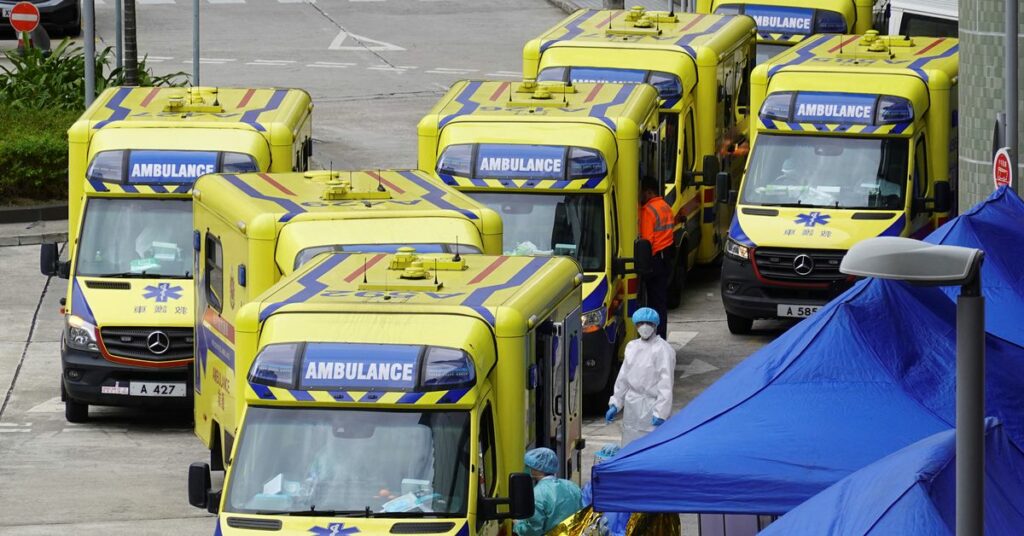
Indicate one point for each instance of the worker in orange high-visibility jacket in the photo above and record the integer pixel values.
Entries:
(656, 226)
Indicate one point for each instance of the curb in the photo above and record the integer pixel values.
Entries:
(567, 6)
(52, 212)
(28, 240)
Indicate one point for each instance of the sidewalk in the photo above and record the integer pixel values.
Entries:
(37, 232)
(570, 6)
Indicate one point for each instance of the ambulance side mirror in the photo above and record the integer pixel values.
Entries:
(722, 192)
(519, 501)
(520, 495)
(943, 198)
(642, 255)
(199, 493)
(49, 261)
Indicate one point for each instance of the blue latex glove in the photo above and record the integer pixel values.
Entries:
(612, 411)
(657, 421)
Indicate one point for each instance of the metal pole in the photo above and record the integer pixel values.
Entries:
(195, 43)
(89, 21)
(118, 34)
(970, 410)
(1010, 98)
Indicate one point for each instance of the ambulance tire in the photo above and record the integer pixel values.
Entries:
(738, 325)
(216, 452)
(75, 411)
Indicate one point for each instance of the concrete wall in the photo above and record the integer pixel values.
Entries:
(981, 93)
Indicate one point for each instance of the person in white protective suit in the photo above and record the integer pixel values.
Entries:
(643, 389)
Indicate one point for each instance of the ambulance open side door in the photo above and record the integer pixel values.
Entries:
(559, 403)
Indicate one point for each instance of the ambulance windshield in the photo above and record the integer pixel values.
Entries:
(767, 51)
(305, 461)
(827, 171)
(551, 224)
(130, 237)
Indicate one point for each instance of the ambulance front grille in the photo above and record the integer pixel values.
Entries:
(145, 343)
(781, 264)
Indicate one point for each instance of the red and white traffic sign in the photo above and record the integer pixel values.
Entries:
(24, 17)
(1002, 169)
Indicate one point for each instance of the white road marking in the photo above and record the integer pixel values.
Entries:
(326, 66)
(214, 61)
(158, 59)
(296, 1)
(504, 75)
(456, 70)
(386, 68)
(53, 405)
(272, 63)
(696, 368)
(15, 428)
(679, 339)
(365, 43)
(336, 63)
(226, 1)
(154, 2)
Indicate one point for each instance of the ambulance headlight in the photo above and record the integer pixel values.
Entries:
(446, 368)
(79, 334)
(829, 22)
(777, 105)
(275, 365)
(593, 320)
(894, 110)
(736, 250)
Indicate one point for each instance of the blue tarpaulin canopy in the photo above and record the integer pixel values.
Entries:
(913, 491)
(996, 226)
(869, 374)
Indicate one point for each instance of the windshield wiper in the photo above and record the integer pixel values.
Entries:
(786, 205)
(313, 512)
(144, 275)
(408, 514)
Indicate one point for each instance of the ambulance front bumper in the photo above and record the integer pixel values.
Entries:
(745, 295)
(90, 379)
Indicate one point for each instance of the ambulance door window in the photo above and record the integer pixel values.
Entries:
(488, 454)
(670, 147)
(689, 150)
(487, 461)
(214, 269)
(921, 176)
(649, 165)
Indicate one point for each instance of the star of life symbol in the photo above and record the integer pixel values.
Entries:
(333, 529)
(162, 292)
(812, 219)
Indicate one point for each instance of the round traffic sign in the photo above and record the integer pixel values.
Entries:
(24, 17)
(1002, 170)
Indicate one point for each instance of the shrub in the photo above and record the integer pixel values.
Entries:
(34, 153)
(41, 96)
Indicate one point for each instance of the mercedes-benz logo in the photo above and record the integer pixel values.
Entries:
(803, 265)
(158, 342)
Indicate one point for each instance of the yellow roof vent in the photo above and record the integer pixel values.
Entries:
(338, 189)
(415, 270)
(542, 94)
(194, 100)
(403, 258)
(321, 175)
(635, 13)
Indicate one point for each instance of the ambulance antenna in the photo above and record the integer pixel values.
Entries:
(364, 270)
(456, 258)
(387, 295)
(380, 183)
(435, 270)
(216, 96)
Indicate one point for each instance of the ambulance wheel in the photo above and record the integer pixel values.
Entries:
(738, 325)
(75, 411)
(216, 452)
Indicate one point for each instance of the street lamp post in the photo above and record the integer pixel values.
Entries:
(921, 263)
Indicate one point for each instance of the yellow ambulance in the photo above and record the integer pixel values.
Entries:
(397, 394)
(561, 164)
(784, 23)
(133, 157)
(855, 139)
(700, 65)
(258, 227)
